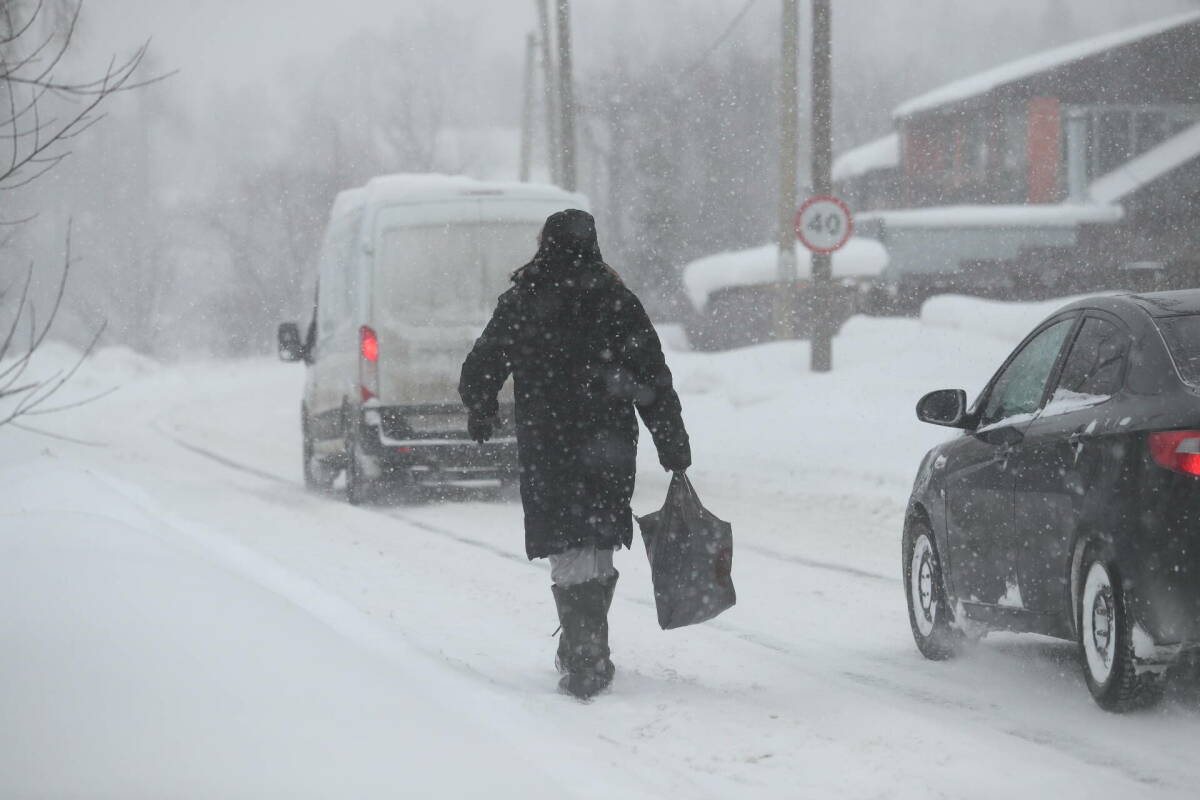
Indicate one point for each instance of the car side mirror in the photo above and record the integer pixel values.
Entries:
(944, 407)
(290, 346)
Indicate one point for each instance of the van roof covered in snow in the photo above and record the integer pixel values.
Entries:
(346, 202)
(433, 187)
(412, 188)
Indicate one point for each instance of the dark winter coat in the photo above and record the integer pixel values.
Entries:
(583, 355)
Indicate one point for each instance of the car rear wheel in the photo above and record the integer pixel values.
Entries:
(1106, 638)
(928, 607)
(360, 487)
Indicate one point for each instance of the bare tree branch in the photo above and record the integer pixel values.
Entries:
(36, 143)
(28, 77)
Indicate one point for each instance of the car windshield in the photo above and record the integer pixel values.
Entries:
(1182, 335)
(450, 273)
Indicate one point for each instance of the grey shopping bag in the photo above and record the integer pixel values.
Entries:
(691, 556)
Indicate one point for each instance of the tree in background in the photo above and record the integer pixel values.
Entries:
(41, 114)
(202, 230)
(689, 165)
(379, 104)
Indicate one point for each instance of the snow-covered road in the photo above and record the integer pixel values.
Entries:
(179, 617)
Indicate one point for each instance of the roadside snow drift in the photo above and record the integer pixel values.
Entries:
(138, 664)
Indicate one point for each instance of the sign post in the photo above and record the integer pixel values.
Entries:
(823, 225)
(822, 182)
(789, 164)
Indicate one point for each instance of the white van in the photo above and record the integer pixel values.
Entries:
(409, 273)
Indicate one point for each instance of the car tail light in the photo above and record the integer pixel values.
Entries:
(368, 348)
(1177, 450)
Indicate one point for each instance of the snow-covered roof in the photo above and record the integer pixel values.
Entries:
(1029, 66)
(1148, 167)
(859, 258)
(403, 188)
(882, 153)
(1063, 215)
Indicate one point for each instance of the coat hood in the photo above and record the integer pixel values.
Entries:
(568, 245)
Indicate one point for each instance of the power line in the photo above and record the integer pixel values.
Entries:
(721, 39)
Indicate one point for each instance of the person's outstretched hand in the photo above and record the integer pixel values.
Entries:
(480, 428)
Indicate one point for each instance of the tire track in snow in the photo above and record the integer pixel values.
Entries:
(425, 526)
(922, 701)
(817, 564)
(419, 524)
(222, 460)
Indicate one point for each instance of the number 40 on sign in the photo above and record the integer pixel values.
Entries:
(824, 224)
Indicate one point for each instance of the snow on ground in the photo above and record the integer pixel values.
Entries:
(179, 618)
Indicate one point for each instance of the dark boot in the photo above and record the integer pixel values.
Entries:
(583, 612)
(610, 587)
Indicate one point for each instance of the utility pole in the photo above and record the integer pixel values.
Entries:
(789, 140)
(822, 178)
(527, 111)
(566, 99)
(550, 91)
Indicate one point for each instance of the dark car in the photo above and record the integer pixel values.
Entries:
(1070, 504)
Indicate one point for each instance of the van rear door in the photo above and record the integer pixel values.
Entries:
(439, 268)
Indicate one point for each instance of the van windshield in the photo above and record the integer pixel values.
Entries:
(449, 273)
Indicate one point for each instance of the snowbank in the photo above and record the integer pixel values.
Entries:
(860, 258)
(990, 318)
(143, 661)
(105, 371)
(759, 415)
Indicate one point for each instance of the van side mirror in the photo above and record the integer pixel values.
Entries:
(946, 407)
(290, 346)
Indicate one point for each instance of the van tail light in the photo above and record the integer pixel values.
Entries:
(1178, 451)
(368, 348)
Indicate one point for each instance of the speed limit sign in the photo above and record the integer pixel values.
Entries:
(824, 224)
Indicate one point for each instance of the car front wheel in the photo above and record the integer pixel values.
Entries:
(928, 607)
(1106, 638)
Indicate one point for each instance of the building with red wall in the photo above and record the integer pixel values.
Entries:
(1078, 167)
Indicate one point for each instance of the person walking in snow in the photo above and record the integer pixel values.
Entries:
(583, 355)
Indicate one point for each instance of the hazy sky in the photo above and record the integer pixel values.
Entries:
(240, 42)
(232, 41)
